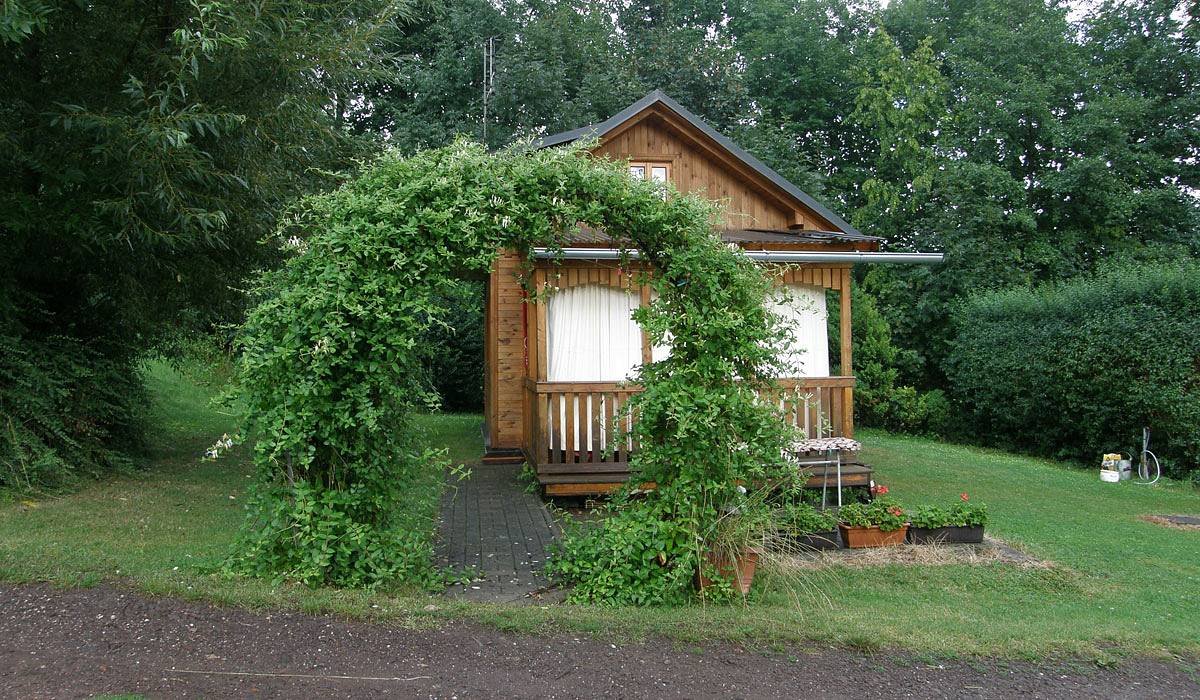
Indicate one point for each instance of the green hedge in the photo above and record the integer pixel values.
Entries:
(1075, 370)
(66, 411)
(455, 347)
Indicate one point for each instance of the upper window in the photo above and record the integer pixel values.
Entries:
(658, 172)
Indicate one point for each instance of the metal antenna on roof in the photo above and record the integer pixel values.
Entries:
(489, 78)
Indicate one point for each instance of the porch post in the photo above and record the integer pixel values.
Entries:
(847, 355)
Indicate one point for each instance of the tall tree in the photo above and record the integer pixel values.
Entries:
(146, 149)
(1055, 156)
(799, 71)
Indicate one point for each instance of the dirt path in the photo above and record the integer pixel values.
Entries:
(76, 643)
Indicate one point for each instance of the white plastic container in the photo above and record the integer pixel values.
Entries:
(1110, 476)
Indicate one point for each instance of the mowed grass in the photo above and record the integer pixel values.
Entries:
(166, 528)
(1115, 585)
(1112, 585)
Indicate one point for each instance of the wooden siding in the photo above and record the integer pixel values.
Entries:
(511, 409)
(695, 168)
(505, 369)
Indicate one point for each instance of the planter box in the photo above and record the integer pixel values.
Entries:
(819, 540)
(739, 572)
(862, 537)
(946, 535)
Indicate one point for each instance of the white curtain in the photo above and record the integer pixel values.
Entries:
(592, 337)
(802, 308)
(592, 334)
(658, 353)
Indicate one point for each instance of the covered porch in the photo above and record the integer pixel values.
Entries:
(576, 430)
(581, 344)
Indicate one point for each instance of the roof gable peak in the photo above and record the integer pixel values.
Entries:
(658, 97)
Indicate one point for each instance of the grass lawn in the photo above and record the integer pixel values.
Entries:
(1118, 585)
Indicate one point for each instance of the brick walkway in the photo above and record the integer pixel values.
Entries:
(490, 523)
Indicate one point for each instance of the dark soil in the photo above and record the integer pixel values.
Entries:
(77, 643)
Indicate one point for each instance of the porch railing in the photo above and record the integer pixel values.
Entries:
(577, 426)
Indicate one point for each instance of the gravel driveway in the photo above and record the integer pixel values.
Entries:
(77, 643)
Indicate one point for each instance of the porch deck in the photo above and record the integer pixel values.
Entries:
(571, 430)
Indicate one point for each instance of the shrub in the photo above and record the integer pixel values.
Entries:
(879, 399)
(1075, 370)
(66, 411)
(455, 346)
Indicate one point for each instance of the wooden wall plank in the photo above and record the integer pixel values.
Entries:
(695, 170)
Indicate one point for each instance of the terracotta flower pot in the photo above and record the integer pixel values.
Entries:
(739, 572)
(862, 537)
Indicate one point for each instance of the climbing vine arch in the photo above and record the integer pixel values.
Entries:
(331, 364)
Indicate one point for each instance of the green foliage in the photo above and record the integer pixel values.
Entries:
(558, 65)
(642, 554)
(331, 538)
(1077, 369)
(66, 411)
(883, 512)
(879, 398)
(797, 519)
(1060, 149)
(963, 513)
(454, 347)
(899, 105)
(145, 152)
(332, 359)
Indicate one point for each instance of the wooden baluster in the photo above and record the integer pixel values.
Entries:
(552, 424)
(614, 411)
(571, 444)
(835, 410)
(594, 409)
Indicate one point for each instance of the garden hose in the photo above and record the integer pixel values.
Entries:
(1144, 467)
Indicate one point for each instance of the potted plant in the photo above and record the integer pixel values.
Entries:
(736, 567)
(880, 523)
(809, 527)
(961, 523)
(733, 553)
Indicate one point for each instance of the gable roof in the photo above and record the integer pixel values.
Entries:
(599, 129)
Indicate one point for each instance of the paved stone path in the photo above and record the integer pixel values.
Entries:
(488, 522)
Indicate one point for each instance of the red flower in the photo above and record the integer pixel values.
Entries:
(963, 496)
(879, 489)
(895, 510)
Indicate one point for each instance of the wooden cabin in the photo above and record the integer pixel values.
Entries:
(556, 369)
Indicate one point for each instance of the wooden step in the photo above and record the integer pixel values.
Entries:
(503, 456)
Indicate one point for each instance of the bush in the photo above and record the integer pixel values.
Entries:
(1075, 370)
(66, 411)
(455, 345)
(879, 399)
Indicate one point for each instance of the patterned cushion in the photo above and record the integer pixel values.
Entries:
(825, 444)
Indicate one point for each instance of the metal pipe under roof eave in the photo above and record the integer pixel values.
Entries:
(779, 256)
